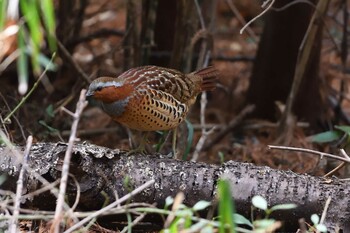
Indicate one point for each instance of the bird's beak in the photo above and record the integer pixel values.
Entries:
(89, 93)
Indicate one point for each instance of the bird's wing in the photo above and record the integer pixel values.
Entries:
(170, 81)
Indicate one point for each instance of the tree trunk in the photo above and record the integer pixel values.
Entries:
(100, 170)
(275, 64)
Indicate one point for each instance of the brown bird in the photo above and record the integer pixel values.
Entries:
(151, 98)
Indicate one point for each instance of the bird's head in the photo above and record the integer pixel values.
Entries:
(110, 94)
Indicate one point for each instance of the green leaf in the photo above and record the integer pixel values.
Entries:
(284, 207)
(174, 225)
(22, 63)
(344, 128)
(264, 223)
(182, 206)
(31, 14)
(184, 212)
(226, 208)
(321, 228)
(201, 205)
(49, 21)
(315, 219)
(3, 7)
(324, 137)
(51, 129)
(221, 157)
(49, 111)
(189, 139)
(259, 202)
(207, 229)
(241, 220)
(188, 221)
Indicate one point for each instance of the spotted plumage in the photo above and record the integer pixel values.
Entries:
(150, 98)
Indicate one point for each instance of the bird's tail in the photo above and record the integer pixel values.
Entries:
(209, 77)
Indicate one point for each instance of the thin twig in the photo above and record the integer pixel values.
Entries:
(101, 33)
(68, 58)
(14, 117)
(201, 142)
(77, 198)
(293, 3)
(136, 220)
(203, 61)
(43, 189)
(110, 206)
(67, 111)
(238, 15)
(343, 152)
(65, 167)
(200, 16)
(342, 164)
(50, 214)
(258, 16)
(233, 123)
(19, 189)
(321, 154)
(8, 60)
(325, 209)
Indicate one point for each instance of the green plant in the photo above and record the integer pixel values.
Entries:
(31, 34)
(226, 208)
(183, 219)
(338, 133)
(263, 224)
(315, 219)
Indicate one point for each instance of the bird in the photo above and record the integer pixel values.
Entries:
(151, 98)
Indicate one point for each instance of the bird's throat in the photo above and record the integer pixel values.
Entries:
(115, 109)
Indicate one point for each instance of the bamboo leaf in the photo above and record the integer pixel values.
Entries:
(48, 12)
(31, 14)
(3, 6)
(22, 63)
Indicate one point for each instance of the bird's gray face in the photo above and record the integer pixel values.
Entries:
(109, 94)
(99, 84)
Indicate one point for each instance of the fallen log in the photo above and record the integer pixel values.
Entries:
(101, 171)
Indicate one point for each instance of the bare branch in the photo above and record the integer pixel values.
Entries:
(13, 224)
(65, 167)
(321, 154)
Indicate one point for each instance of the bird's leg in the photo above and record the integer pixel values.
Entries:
(141, 149)
(131, 136)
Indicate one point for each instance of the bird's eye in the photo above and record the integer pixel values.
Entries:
(98, 88)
